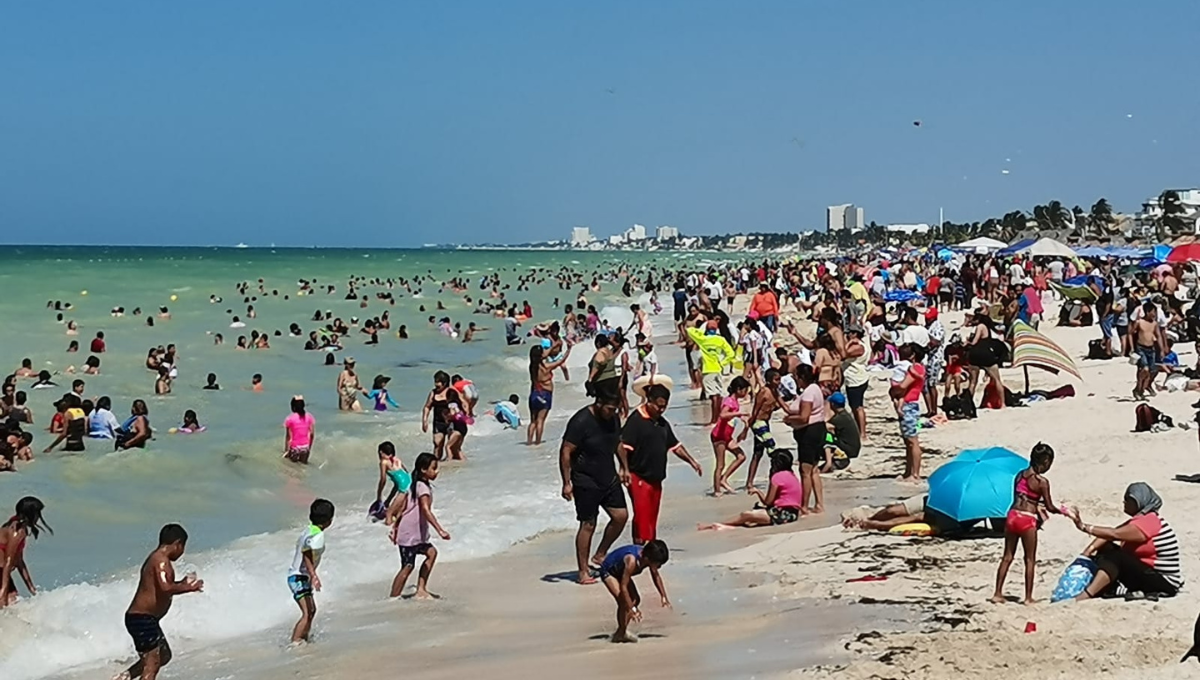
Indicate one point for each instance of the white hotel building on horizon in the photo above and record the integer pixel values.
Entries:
(582, 237)
(844, 217)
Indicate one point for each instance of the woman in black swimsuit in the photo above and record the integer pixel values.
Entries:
(449, 426)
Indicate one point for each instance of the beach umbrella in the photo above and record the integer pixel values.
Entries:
(1048, 247)
(1188, 252)
(1017, 247)
(976, 484)
(983, 243)
(1160, 252)
(1031, 348)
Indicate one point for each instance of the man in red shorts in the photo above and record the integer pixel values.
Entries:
(646, 439)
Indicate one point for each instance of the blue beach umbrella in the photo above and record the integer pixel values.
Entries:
(977, 484)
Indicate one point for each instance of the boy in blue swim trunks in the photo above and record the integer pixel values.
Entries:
(303, 579)
(618, 570)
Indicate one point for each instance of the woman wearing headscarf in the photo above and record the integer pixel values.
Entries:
(1139, 556)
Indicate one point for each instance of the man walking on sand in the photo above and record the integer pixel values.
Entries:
(646, 439)
(156, 589)
(587, 462)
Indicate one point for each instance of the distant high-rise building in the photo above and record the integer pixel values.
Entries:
(844, 216)
(835, 217)
(666, 233)
(581, 236)
(635, 233)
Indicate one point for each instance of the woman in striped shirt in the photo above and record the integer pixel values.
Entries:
(1147, 557)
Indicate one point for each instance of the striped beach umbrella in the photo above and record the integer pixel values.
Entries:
(1031, 348)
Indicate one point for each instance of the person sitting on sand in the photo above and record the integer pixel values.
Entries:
(1139, 556)
(781, 503)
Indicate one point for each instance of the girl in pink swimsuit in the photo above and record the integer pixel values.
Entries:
(723, 433)
(1031, 498)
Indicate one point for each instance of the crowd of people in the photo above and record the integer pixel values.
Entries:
(751, 365)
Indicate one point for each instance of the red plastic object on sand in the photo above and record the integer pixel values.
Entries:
(867, 579)
(1030, 627)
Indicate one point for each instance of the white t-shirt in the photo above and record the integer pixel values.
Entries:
(650, 363)
(916, 335)
(1015, 272)
(900, 370)
(1056, 270)
(313, 541)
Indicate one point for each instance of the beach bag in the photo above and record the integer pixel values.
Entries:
(1098, 349)
(1075, 579)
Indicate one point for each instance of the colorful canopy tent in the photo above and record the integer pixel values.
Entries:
(1031, 348)
(982, 243)
(976, 484)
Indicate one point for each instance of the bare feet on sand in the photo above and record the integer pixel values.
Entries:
(624, 637)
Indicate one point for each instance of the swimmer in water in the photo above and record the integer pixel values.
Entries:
(256, 382)
(191, 425)
(26, 521)
(211, 383)
(380, 394)
(163, 384)
(391, 469)
(505, 412)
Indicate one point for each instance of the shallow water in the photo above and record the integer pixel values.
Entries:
(242, 505)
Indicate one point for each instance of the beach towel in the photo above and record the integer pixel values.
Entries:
(1075, 579)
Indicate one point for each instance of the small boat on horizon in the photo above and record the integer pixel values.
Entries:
(241, 245)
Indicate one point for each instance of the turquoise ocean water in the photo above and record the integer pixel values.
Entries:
(242, 504)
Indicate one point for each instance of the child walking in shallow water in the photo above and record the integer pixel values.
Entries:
(412, 514)
(723, 436)
(1031, 493)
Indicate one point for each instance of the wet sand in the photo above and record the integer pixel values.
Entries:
(521, 613)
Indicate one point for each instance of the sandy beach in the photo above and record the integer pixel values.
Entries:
(947, 583)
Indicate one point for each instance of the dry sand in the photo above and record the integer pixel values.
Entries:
(948, 582)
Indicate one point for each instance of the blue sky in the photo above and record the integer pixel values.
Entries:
(401, 123)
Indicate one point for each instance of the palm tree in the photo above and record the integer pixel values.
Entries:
(1171, 222)
(1058, 215)
(1079, 225)
(1014, 222)
(1101, 218)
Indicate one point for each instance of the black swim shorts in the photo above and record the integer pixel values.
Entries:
(146, 633)
(588, 501)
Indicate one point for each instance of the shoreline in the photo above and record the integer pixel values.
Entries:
(501, 614)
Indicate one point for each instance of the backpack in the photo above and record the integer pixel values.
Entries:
(959, 406)
(1098, 349)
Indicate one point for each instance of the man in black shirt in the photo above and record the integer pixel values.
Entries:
(589, 475)
(645, 441)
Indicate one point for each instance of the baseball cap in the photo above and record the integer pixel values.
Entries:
(837, 399)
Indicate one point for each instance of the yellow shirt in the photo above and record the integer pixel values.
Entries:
(715, 352)
(859, 292)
